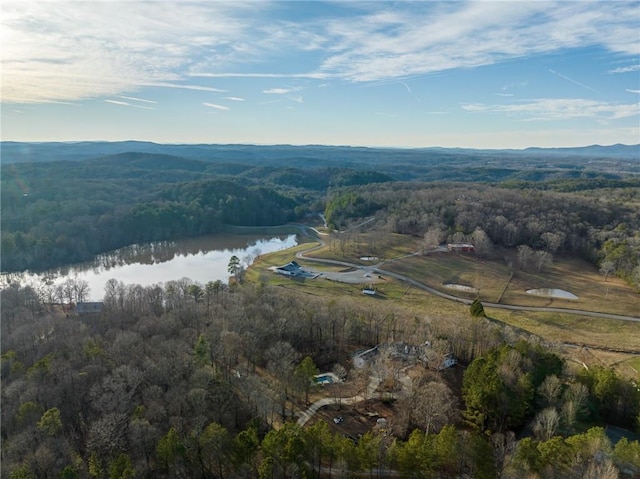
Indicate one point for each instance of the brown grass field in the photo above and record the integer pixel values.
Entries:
(494, 281)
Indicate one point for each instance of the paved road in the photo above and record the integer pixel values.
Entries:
(312, 232)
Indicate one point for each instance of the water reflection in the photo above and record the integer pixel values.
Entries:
(151, 253)
(200, 259)
(552, 293)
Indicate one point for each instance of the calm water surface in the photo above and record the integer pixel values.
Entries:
(201, 259)
(552, 293)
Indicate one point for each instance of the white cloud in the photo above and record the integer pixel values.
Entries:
(124, 103)
(233, 98)
(68, 50)
(633, 91)
(217, 107)
(316, 75)
(183, 86)
(280, 91)
(116, 102)
(132, 98)
(631, 68)
(429, 37)
(71, 50)
(560, 109)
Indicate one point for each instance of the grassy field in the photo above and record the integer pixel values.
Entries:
(574, 329)
(439, 269)
(365, 245)
(492, 279)
(494, 282)
(577, 277)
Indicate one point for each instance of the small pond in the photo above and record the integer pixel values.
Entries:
(460, 287)
(552, 293)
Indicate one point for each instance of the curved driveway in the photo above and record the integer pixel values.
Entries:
(312, 232)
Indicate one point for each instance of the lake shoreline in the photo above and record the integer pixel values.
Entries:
(200, 259)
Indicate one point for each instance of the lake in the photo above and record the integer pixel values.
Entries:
(201, 259)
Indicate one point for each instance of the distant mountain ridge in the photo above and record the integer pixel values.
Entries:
(21, 152)
(618, 151)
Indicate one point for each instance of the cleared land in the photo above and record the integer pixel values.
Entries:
(493, 279)
(494, 282)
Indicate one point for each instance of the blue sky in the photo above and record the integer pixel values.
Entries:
(504, 74)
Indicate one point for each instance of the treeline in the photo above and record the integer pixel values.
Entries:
(602, 230)
(205, 381)
(316, 179)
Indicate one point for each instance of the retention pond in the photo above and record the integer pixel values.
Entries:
(552, 293)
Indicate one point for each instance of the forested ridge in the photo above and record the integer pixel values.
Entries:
(601, 225)
(205, 381)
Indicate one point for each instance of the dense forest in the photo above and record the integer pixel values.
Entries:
(205, 381)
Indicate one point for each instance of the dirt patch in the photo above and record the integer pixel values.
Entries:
(378, 415)
(352, 276)
(460, 287)
(356, 419)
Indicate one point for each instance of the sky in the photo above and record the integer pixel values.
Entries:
(486, 74)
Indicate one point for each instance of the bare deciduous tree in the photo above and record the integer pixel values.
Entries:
(553, 241)
(546, 423)
(481, 242)
(550, 390)
(543, 260)
(433, 406)
(606, 268)
(525, 254)
(433, 237)
(574, 402)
